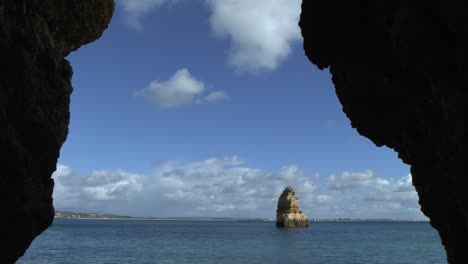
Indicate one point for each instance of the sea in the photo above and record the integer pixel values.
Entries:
(81, 241)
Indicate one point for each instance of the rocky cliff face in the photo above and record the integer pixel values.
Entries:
(400, 70)
(288, 213)
(35, 88)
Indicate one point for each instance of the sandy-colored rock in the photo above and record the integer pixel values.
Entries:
(288, 213)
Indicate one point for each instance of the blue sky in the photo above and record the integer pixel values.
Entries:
(191, 108)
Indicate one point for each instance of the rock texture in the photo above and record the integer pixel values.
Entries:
(288, 213)
(35, 88)
(400, 70)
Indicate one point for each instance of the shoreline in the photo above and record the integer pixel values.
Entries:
(238, 220)
(165, 219)
(107, 216)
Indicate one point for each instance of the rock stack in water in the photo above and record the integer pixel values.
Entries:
(288, 213)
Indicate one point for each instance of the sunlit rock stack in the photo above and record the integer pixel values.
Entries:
(35, 88)
(400, 70)
(288, 213)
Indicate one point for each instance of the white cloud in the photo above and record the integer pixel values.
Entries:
(405, 184)
(72, 191)
(216, 96)
(349, 180)
(372, 195)
(181, 89)
(134, 10)
(261, 32)
(228, 187)
(216, 187)
(66, 187)
(400, 192)
(402, 197)
(107, 185)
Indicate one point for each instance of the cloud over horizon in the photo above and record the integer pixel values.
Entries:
(227, 187)
(112, 185)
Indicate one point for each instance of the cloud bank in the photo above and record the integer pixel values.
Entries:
(228, 187)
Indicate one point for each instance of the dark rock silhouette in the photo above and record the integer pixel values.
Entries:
(400, 70)
(288, 213)
(35, 88)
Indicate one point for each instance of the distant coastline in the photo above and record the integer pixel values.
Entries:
(100, 216)
(379, 220)
(105, 216)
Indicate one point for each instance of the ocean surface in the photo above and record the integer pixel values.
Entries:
(70, 241)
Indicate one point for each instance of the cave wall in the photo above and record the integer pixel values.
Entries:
(400, 70)
(35, 88)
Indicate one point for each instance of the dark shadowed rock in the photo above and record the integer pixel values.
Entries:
(35, 88)
(288, 213)
(400, 70)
